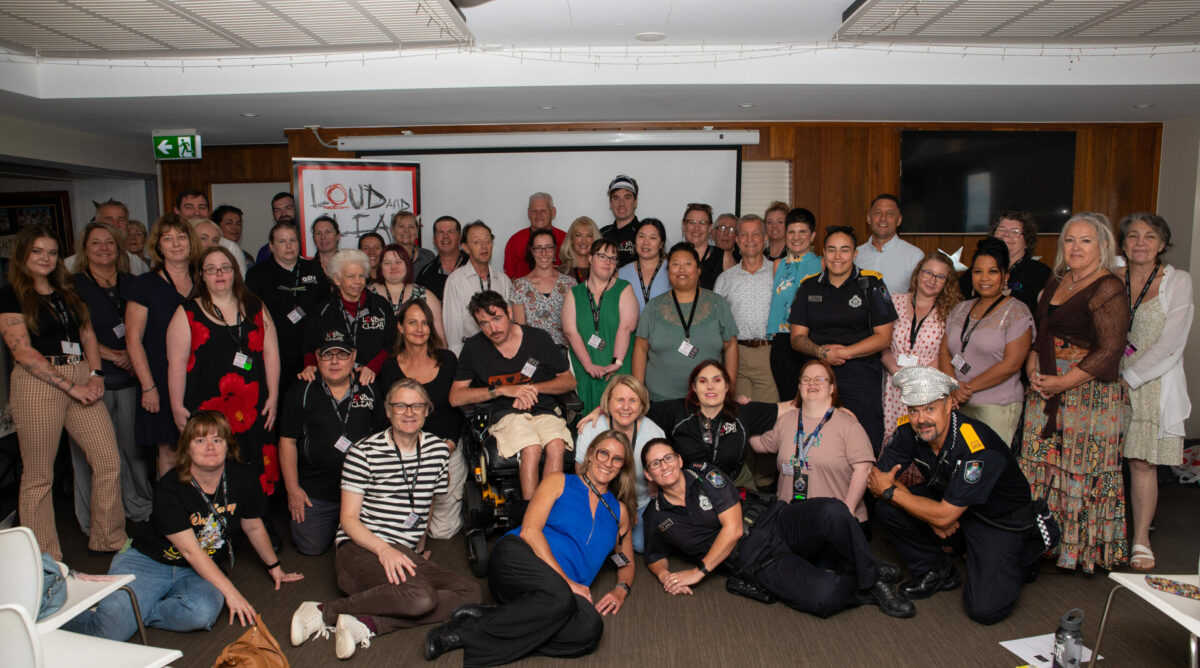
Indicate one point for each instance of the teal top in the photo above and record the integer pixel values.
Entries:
(667, 369)
(787, 278)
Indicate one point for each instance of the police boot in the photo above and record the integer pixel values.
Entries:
(938, 579)
(883, 595)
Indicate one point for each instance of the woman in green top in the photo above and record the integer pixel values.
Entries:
(686, 324)
(599, 317)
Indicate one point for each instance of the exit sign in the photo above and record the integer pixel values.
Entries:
(176, 147)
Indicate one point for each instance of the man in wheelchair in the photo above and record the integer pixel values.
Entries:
(515, 371)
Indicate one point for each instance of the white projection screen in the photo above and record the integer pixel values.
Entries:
(495, 186)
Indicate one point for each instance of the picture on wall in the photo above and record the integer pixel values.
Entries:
(50, 208)
(361, 195)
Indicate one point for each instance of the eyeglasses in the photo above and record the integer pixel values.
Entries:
(604, 257)
(1008, 232)
(543, 249)
(400, 408)
(813, 380)
(665, 460)
(940, 278)
(340, 355)
(603, 456)
(725, 228)
(223, 269)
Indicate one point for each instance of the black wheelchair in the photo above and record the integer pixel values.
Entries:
(492, 501)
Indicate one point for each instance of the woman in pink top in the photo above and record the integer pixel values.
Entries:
(831, 456)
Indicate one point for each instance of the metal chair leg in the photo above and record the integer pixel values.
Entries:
(1104, 622)
(1193, 659)
(137, 613)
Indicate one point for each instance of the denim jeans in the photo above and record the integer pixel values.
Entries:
(174, 598)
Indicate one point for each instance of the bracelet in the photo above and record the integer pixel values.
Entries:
(273, 566)
(623, 585)
(149, 389)
(821, 352)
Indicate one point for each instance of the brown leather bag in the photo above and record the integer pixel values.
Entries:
(257, 648)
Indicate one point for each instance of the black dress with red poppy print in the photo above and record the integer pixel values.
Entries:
(214, 383)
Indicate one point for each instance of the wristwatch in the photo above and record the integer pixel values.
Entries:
(889, 493)
(624, 586)
(702, 568)
(97, 373)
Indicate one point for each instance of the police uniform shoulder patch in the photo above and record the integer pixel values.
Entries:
(972, 438)
(715, 478)
(973, 471)
(903, 420)
(810, 276)
(871, 273)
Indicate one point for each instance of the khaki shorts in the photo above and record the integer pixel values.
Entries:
(516, 431)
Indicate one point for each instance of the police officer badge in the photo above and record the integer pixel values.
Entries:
(855, 301)
(705, 504)
(973, 471)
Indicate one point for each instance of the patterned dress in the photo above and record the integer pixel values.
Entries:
(929, 341)
(1072, 441)
(238, 393)
(1141, 437)
(544, 311)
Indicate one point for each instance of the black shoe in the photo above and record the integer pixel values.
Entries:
(883, 595)
(940, 579)
(748, 589)
(440, 640)
(468, 611)
(885, 571)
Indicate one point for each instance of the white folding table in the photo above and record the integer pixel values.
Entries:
(1180, 609)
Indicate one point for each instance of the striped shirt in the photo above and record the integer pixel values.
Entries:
(393, 485)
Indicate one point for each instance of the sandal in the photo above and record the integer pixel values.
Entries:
(1143, 558)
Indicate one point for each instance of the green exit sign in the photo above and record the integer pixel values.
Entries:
(176, 147)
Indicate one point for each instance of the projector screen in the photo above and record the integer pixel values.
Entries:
(495, 186)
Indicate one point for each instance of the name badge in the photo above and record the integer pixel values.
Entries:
(687, 350)
(1130, 350)
(596, 342)
(799, 485)
(295, 315)
(343, 444)
(960, 364)
(815, 298)
(620, 560)
(410, 521)
(119, 330)
(906, 360)
(71, 348)
(241, 361)
(530, 368)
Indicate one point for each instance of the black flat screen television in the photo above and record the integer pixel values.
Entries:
(955, 181)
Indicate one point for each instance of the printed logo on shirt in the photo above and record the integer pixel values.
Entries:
(372, 322)
(308, 278)
(716, 479)
(362, 401)
(507, 379)
(728, 428)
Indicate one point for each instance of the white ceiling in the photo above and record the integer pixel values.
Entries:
(580, 58)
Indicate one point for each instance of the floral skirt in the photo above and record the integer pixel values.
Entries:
(1077, 470)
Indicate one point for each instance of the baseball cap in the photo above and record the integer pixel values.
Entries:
(622, 181)
(335, 339)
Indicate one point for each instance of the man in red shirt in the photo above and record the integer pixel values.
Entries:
(541, 215)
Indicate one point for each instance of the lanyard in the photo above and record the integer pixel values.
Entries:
(596, 307)
(167, 275)
(337, 404)
(395, 307)
(62, 312)
(218, 517)
(352, 323)
(480, 279)
(1129, 292)
(915, 329)
(606, 507)
(646, 285)
(810, 440)
(234, 330)
(113, 293)
(412, 501)
(686, 324)
(964, 336)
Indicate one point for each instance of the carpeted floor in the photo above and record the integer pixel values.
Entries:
(715, 628)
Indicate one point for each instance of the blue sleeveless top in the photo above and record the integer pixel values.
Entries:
(580, 543)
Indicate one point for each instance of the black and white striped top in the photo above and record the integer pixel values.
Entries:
(375, 469)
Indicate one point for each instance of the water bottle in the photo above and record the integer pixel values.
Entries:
(1068, 641)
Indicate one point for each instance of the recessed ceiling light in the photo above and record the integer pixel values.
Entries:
(651, 36)
(746, 105)
(546, 107)
(249, 114)
(1144, 105)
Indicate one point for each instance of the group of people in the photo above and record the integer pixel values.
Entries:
(843, 388)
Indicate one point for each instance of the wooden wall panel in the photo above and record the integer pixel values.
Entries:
(250, 163)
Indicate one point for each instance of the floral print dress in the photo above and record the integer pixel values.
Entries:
(237, 392)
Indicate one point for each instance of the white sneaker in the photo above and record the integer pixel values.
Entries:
(349, 634)
(307, 622)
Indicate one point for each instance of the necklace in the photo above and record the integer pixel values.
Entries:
(1074, 282)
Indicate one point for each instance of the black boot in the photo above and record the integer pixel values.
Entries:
(938, 579)
(883, 595)
(442, 639)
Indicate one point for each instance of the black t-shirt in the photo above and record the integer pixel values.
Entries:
(483, 365)
(372, 330)
(844, 314)
(712, 264)
(1025, 281)
(106, 308)
(308, 415)
(693, 528)
(181, 506)
(625, 238)
(432, 277)
(51, 315)
(445, 421)
(728, 437)
(304, 287)
(978, 470)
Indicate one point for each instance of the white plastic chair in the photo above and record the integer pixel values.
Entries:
(21, 562)
(25, 648)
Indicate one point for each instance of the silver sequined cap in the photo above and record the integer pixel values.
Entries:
(920, 385)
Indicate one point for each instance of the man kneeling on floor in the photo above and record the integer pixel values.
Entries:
(388, 484)
(811, 554)
(974, 500)
(515, 371)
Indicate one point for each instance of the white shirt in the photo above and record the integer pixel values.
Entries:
(896, 262)
(462, 284)
(136, 264)
(1165, 358)
(749, 297)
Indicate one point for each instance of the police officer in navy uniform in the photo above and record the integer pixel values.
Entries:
(811, 554)
(844, 315)
(975, 500)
